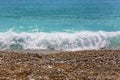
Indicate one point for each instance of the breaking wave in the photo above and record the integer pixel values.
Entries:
(84, 40)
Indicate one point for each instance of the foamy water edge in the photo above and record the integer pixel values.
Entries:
(84, 40)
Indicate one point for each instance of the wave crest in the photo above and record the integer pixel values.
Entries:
(57, 40)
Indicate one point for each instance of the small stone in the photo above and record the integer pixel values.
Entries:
(49, 66)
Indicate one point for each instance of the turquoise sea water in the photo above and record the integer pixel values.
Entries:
(63, 24)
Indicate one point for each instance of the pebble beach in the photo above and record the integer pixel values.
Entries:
(78, 65)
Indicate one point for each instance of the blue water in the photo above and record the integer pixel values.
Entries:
(36, 24)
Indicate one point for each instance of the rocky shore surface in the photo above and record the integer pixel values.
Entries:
(79, 65)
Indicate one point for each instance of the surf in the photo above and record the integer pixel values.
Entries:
(83, 40)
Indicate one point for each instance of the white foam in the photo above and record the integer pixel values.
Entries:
(57, 40)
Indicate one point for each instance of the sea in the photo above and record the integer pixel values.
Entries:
(67, 25)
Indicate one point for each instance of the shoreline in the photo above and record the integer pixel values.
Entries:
(42, 51)
(72, 65)
(49, 51)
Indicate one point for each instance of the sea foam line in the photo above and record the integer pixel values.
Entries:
(84, 40)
